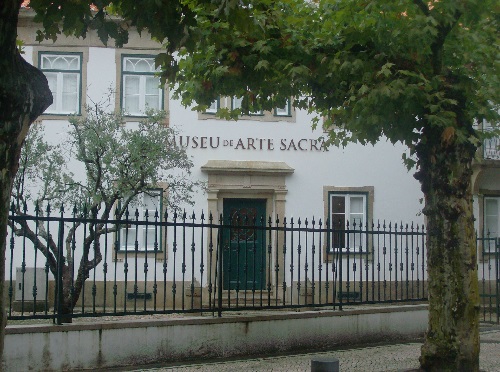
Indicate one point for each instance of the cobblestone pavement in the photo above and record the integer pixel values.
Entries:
(397, 357)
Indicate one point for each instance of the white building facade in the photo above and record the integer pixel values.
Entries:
(267, 163)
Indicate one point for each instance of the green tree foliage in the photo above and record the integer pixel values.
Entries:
(119, 163)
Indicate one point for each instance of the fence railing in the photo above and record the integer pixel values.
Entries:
(66, 267)
(489, 277)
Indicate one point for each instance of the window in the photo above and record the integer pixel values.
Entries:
(64, 75)
(283, 111)
(236, 104)
(491, 222)
(214, 107)
(147, 236)
(347, 212)
(140, 85)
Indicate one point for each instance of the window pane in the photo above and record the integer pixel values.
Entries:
(151, 237)
(60, 63)
(355, 221)
(139, 64)
(128, 237)
(213, 107)
(338, 227)
(147, 235)
(131, 104)
(152, 202)
(52, 80)
(237, 102)
(70, 83)
(355, 242)
(283, 111)
(131, 94)
(152, 85)
(69, 103)
(492, 226)
(491, 217)
(131, 84)
(152, 98)
(73, 63)
(46, 62)
(70, 93)
(356, 204)
(145, 65)
(491, 207)
(338, 204)
(152, 102)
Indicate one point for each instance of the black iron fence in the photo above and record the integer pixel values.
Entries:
(489, 277)
(62, 267)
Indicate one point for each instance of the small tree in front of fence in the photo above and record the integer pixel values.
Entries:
(114, 164)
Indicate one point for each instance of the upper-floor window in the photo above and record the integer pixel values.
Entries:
(286, 110)
(64, 75)
(214, 107)
(140, 85)
(237, 102)
(284, 113)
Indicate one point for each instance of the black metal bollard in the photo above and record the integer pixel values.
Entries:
(325, 365)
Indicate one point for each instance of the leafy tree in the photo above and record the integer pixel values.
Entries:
(423, 73)
(118, 163)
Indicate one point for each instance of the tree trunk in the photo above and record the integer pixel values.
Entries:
(24, 95)
(452, 338)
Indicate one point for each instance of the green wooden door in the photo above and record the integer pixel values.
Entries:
(244, 259)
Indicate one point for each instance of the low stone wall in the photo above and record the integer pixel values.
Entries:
(125, 343)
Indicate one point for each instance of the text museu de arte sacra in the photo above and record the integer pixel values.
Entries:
(250, 143)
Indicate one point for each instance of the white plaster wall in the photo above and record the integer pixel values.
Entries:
(90, 346)
(101, 75)
(28, 53)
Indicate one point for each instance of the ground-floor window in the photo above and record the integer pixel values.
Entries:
(348, 210)
(146, 206)
(491, 220)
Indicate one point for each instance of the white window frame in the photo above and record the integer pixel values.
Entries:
(214, 107)
(46, 66)
(353, 239)
(236, 104)
(132, 229)
(284, 111)
(488, 235)
(143, 76)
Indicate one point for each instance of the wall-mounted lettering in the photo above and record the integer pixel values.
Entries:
(250, 143)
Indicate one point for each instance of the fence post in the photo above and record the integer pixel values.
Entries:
(60, 262)
(497, 277)
(219, 267)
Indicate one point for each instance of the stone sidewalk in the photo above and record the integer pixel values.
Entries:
(363, 359)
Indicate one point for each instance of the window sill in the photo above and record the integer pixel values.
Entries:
(131, 254)
(47, 116)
